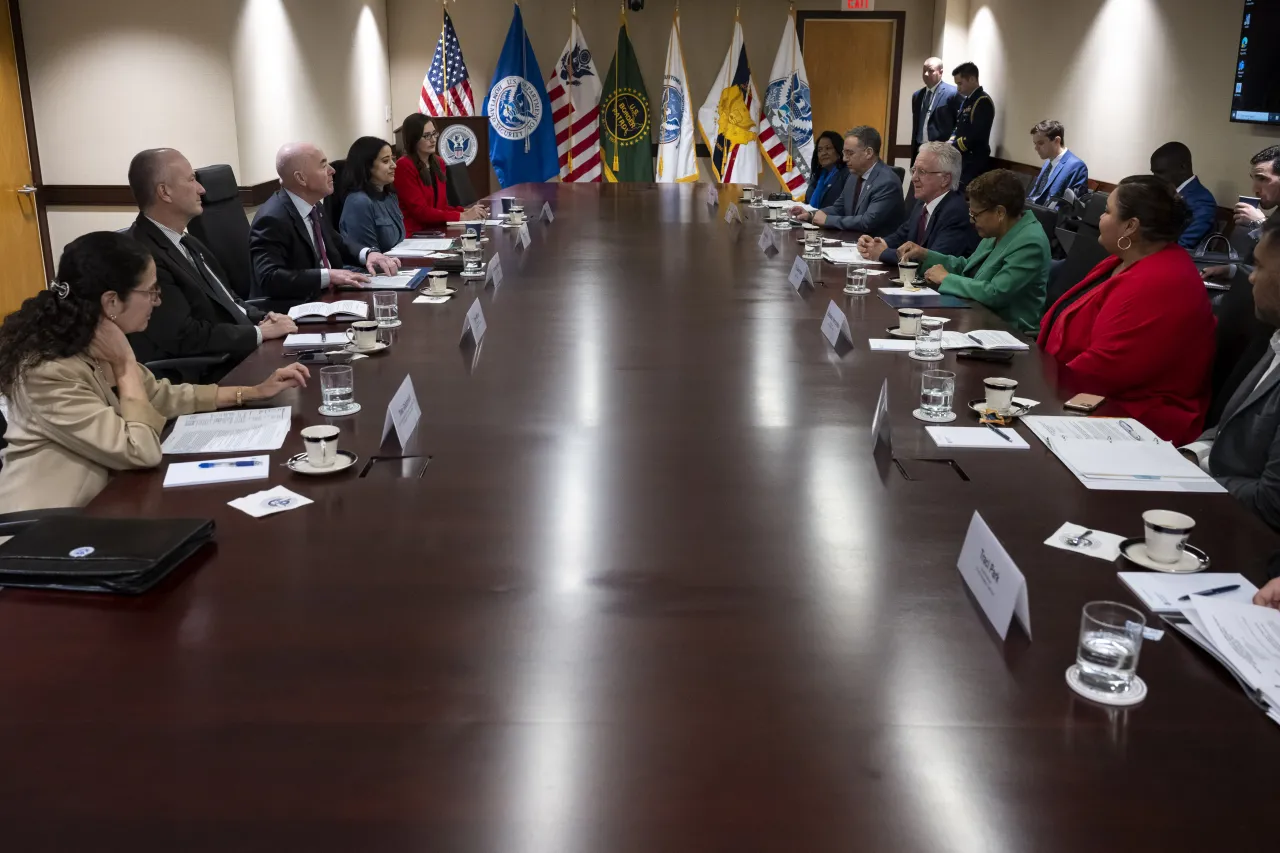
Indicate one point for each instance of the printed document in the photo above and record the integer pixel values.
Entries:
(235, 431)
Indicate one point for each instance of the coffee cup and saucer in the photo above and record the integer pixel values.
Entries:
(438, 284)
(1164, 546)
(999, 399)
(907, 274)
(363, 336)
(322, 455)
(908, 323)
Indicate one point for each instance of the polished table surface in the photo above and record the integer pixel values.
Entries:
(652, 593)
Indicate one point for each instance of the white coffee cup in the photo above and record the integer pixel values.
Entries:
(771, 214)
(438, 281)
(909, 320)
(517, 216)
(1167, 533)
(470, 242)
(907, 272)
(364, 333)
(1000, 391)
(322, 445)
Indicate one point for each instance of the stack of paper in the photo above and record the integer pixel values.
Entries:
(1242, 637)
(1119, 454)
(321, 339)
(845, 255)
(402, 281)
(238, 431)
(217, 471)
(1160, 592)
(420, 247)
(987, 438)
(992, 340)
(910, 291)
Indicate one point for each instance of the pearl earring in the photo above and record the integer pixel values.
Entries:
(111, 317)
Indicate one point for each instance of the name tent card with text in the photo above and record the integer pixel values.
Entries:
(712, 197)
(768, 240)
(835, 325)
(494, 273)
(402, 413)
(881, 429)
(732, 214)
(800, 273)
(546, 213)
(524, 237)
(993, 579)
(474, 324)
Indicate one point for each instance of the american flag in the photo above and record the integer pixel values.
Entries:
(447, 68)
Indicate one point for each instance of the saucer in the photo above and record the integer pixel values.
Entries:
(355, 407)
(850, 292)
(919, 415)
(937, 357)
(1136, 693)
(448, 291)
(1193, 559)
(467, 275)
(378, 347)
(897, 332)
(300, 464)
(397, 324)
(1015, 411)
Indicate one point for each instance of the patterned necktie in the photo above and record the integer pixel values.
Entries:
(1041, 181)
(921, 224)
(318, 233)
(218, 289)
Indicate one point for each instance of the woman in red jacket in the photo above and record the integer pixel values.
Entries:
(420, 181)
(1138, 330)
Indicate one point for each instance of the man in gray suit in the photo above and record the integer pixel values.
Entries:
(1243, 451)
(872, 197)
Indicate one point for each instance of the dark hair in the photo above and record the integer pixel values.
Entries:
(1174, 154)
(146, 172)
(414, 126)
(1051, 128)
(59, 322)
(357, 172)
(836, 142)
(965, 69)
(868, 136)
(1270, 154)
(1161, 213)
(999, 187)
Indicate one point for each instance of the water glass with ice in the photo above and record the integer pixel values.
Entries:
(1110, 639)
(812, 245)
(937, 391)
(929, 338)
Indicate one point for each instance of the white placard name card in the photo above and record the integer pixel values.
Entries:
(523, 235)
(712, 197)
(733, 213)
(835, 325)
(768, 240)
(494, 273)
(546, 212)
(799, 273)
(474, 323)
(993, 579)
(881, 429)
(402, 413)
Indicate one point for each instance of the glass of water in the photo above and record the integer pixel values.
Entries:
(812, 245)
(929, 339)
(855, 279)
(1110, 639)
(471, 263)
(385, 309)
(937, 391)
(337, 390)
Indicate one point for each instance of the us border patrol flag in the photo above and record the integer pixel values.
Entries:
(677, 146)
(729, 119)
(786, 133)
(625, 142)
(522, 138)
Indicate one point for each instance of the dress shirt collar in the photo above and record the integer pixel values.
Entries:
(1275, 342)
(1053, 164)
(1183, 185)
(933, 205)
(175, 237)
(304, 209)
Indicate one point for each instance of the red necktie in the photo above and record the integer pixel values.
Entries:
(319, 236)
(921, 224)
(857, 191)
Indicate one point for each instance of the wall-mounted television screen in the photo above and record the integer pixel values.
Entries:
(1256, 93)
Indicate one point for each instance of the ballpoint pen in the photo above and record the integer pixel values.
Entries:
(241, 463)
(994, 429)
(1217, 590)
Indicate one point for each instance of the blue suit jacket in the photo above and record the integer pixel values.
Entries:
(942, 118)
(831, 194)
(879, 208)
(1204, 210)
(949, 230)
(1071, 174)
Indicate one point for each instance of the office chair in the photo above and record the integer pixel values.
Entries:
(457, 186)
(901, 173)
(1240, 342)
(1094, 208)
(195, 369)
(223, 226)
(333, 201)
(1086, 253)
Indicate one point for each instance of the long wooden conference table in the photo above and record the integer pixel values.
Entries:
(650, 592)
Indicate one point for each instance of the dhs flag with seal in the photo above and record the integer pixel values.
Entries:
(522, 138)
(786, 132)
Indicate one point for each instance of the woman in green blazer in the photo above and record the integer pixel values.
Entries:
(1009, 270)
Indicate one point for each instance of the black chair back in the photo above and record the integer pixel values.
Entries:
(457, 186)
(1086, 253)
(333, 202)
(1048, 218)
(1241, 342)
(1094, 208)
(223, 226)
(901, 173)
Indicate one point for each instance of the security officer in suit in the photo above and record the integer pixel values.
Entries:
(933, 107)
(972, 134)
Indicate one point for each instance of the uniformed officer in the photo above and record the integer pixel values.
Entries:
(972, 134)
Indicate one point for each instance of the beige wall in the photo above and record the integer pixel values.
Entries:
(706, 28)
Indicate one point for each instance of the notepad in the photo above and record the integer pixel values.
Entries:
(1160, 592)
(845, 255)
(908, 291)
(218, 471)
(976, 437)
(345, 309)
(995, 340)
(322, 339)
(891, 345)
(420, 247)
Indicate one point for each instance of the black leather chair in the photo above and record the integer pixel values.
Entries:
(457, 186)
(901, 173)
(1241, 342)
(333, 202)
(1086, 253)
(1094, 208)
(223, 226)
(196, 369)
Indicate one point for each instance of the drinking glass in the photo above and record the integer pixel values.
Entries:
(812, 245)
(929, 338)
(937, 390)
(385, 309)
(1110, 639)
(337, 389)
(471, 266)
(855, 278)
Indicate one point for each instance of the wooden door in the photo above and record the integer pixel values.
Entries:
(19, 223)
(851, 70)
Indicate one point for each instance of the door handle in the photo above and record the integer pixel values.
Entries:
(27, 190)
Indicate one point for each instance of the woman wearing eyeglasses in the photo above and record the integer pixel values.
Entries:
(420, 184)
(1009, 270)
(80, 405)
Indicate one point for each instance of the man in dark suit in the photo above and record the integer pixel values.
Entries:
(972, 133)
(872, 197)
(933, 107)
(1243, 451)
(198, 314)
(1172, 162)
(940, 218)
(296, 252)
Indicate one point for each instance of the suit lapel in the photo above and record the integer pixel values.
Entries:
(302, 226)
(1246, 395)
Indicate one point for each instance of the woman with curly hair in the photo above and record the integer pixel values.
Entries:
(80, 405)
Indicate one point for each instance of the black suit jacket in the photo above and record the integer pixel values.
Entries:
(949, 230)
(1246, 443)
(943, 118)
(192, 318)
(286, 266)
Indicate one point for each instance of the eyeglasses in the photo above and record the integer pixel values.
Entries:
(974, 214)
(848, 153)
(431, 136)
(916, 170)
(153, 294)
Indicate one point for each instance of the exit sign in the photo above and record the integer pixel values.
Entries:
(859, 5)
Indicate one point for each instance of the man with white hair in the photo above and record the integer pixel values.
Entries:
(940, 218)
(933, 107)
(296, 252)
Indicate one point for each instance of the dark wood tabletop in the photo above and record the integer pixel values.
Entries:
(651, 593)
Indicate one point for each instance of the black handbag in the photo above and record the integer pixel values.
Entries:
(119, 555)
(1202, 255)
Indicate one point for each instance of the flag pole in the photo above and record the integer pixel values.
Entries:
(791, 90)
(675, 17)
(617, 75)
(573, 107)
(444, 55)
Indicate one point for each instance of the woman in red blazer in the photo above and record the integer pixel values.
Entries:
(420, 181)
(1138, 330)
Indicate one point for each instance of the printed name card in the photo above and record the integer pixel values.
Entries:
(523, 234)
(881, 429)
(546, 213)
(993, 579)
(494, 273)
(402, 413)
(800, 273)
(474, 323)
(835, 325)
(712, 197)
(733, 214)
(768, 240)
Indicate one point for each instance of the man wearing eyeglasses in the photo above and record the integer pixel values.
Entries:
(940, 218)
(872, 197)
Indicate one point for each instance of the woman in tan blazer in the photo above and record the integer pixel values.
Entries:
(80, 405)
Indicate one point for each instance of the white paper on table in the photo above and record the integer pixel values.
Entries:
(995, 339)
(234, 431)
(891, 345)
(1160, 592)
(845, 256)
(303, 340)
(431, 300)
(906, 291)
(330, 309)
(787, 205)
(1055, 430)
(1104, 546)
(418, 247)
(269, 502)
(400, 281)
(191, 474)
(977, 437)
(1246, 635)
(1144, 459)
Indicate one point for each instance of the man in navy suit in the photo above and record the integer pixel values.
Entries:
(872, 197)
(933, 108)
(1172, 162)
(296, 252)
(940, 218)
(1061, 171)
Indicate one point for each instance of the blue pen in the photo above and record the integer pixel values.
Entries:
(243, 463)
(1217, 590)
